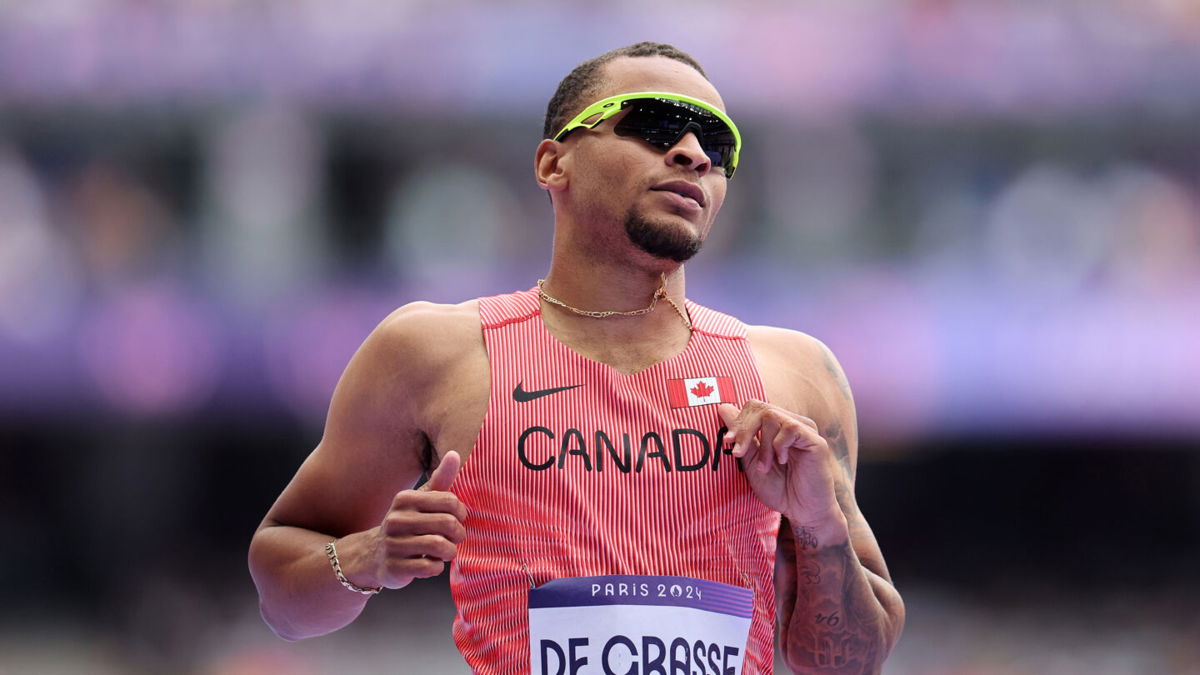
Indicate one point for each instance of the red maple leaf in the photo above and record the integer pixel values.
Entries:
(702, 390)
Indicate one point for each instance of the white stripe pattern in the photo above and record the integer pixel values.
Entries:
(582, 515)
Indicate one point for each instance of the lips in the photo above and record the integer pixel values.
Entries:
(682, 188)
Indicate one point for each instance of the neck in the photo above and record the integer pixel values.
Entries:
(593, 285)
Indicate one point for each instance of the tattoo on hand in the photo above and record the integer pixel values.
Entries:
(805, 538)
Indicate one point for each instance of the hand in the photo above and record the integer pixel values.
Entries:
(419, 534)
(787, 461)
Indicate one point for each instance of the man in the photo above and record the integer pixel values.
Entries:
(583, 435)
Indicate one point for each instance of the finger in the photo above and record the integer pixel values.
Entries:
(749, 455)
(421, 501)
(422, 546)
(404, 569)
(444, 474)
(728, 413)
(407, 523)
(791, 434)
(744, 427)
(785, 439)
(767, 432)
(806, 438)
(432, 568)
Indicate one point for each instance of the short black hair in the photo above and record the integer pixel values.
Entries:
(576, 88)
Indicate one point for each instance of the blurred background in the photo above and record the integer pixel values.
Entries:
(989, 210)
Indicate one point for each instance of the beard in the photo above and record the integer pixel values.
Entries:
(661, 240)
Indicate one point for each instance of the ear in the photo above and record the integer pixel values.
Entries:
(550, 166)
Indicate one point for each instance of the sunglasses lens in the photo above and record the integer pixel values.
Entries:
(662, 123)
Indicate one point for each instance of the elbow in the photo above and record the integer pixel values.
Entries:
(893, 621)
(283, 629)
(275, 615)
(258, 560)
(893, 636)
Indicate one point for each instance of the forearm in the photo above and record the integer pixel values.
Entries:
(299, 595)
(836, 616)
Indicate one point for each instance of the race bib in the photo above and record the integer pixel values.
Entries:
(638, 625)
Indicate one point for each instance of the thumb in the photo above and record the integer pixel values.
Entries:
(728, 413)
(444, 474)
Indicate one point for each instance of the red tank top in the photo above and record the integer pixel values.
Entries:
(580, 470)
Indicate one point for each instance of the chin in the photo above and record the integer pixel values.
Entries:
(663, 238)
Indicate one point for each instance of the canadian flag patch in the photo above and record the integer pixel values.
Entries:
(693, 391)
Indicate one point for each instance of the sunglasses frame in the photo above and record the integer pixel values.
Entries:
(608, 107)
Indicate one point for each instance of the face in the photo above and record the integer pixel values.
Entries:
(666, 201)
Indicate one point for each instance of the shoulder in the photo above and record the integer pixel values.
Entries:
(419, 341)
(792, 350)
(785, 343)
(407, 365)
(800, 372)
(430, 326)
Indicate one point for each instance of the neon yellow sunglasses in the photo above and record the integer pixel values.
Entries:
(662, 119)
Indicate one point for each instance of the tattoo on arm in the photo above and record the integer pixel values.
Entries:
(835, 436)
(810, 573)
(831, 620)
(835, 371)
(845, 631)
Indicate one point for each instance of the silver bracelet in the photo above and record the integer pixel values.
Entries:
(337, 570)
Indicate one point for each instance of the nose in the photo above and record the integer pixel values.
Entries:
(688, 152)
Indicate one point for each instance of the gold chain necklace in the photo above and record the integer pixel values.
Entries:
(660, 293)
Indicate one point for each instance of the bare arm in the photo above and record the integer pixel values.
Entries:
(355, 487)
(838, 610)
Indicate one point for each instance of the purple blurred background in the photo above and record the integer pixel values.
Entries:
(990, 211)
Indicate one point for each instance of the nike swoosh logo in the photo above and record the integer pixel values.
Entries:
(522, 396)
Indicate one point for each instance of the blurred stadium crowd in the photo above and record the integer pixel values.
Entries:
(990, 211)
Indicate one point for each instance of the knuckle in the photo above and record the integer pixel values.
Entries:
(396, 522)
(431, 568)
(403, 545)
(404, 499)
(397, 547)
(452, 528)
(442, 501)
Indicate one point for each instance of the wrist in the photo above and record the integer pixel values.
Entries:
(819, 531)
(349, 556)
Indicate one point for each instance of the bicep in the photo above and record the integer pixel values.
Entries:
(371, 448)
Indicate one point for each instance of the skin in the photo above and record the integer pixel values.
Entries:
(407, 402)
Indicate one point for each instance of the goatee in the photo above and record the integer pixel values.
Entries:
(661, 241)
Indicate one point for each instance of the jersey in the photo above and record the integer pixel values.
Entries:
(579, 470)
